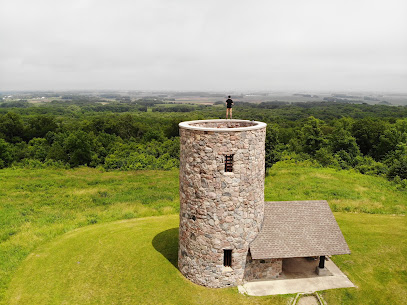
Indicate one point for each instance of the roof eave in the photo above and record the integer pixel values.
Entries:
(256, 256)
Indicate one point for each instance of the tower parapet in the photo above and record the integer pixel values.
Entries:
(222, 168)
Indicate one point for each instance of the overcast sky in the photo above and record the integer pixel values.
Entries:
(204, 45)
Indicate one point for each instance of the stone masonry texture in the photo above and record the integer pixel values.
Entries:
(262, 269)
(220, 210)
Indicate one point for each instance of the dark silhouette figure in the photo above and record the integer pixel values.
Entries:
(229, 104)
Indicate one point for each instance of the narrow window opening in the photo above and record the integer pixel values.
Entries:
(193, 217)
(228, 163)
(227, 258)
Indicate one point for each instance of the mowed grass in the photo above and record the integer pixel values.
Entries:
(346, 191)
(378, 262)
(37, 206)
(134, 262)
(126, 262)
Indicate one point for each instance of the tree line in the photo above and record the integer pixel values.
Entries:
(371, 139)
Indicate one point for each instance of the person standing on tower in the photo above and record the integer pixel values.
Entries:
(229, 104)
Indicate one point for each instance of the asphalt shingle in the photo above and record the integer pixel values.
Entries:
(298, 229)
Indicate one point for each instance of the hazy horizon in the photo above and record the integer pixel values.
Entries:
(227, 92)
(218, 46)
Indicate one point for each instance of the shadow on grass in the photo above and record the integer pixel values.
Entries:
(166, 243)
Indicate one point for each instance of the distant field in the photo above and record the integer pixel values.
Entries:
(395, 99)
(205, 99)
(37, 206)
(199, 100)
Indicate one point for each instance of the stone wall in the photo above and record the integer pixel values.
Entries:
(262, 269)
(223, 124)
(219, 210)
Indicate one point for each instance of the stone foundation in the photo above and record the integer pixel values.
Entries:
(219, 210)
(262, 269)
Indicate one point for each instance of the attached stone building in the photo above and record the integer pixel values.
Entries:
(227, 233)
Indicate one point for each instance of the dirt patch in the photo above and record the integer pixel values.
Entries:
(299, 267)
(308, 300)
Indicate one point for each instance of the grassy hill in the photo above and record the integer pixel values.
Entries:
(36, 206)
(133, 262)
(86, 267)
(346, 191)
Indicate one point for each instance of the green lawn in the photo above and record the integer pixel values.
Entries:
(378, 262)
(133, 262)
(37, 206)
(126, 262)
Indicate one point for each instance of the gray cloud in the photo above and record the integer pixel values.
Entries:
(204, 45)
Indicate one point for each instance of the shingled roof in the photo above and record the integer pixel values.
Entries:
(298, 229)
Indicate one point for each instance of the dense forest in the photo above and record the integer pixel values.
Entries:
(143, 134)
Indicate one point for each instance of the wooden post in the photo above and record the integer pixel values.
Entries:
(321, 261)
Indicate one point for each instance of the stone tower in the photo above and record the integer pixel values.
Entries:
(222, 167)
